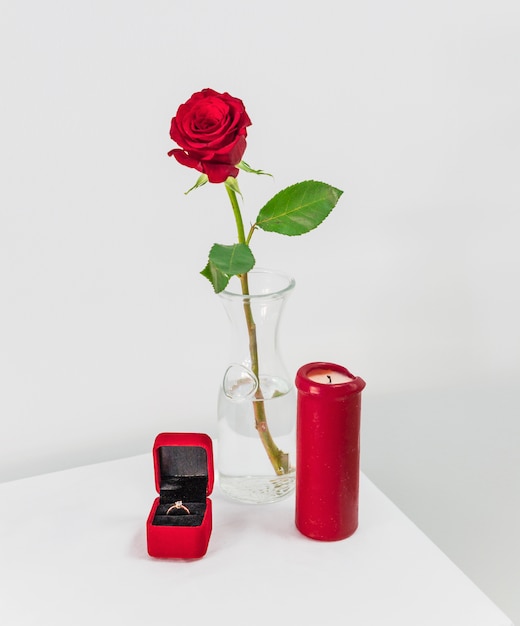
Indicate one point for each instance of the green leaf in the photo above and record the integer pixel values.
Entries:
(247, 168)
(218, 279)
(233, 260)
(227, 261)
(299, 208)
(201, 180)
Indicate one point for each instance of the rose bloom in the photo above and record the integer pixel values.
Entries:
(211, 130)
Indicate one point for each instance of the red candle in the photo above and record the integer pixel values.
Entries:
(327, 452)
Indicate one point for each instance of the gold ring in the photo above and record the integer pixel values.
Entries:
(178, 506)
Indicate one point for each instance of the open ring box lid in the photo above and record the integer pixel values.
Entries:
(183, 465)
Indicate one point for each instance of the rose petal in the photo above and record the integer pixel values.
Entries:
(231, 154)
(186, 159)
(218, 172)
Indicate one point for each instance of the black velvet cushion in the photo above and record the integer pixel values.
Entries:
(183, 476)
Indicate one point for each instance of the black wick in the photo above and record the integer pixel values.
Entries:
(330, 379)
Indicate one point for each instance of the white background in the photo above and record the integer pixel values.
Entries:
(108, 335)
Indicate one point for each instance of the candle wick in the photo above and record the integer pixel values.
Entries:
(330, 379)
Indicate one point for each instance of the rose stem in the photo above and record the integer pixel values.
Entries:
(279, 459)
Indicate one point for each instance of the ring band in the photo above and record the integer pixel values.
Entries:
(178, 506)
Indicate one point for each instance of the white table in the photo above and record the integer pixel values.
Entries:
(73, 552)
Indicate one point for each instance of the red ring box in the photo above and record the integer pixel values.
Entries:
(183, 464)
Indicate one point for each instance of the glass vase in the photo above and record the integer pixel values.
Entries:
(257, 401)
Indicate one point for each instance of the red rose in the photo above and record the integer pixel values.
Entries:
(211, 130)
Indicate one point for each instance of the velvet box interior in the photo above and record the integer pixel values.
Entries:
(179, 524)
